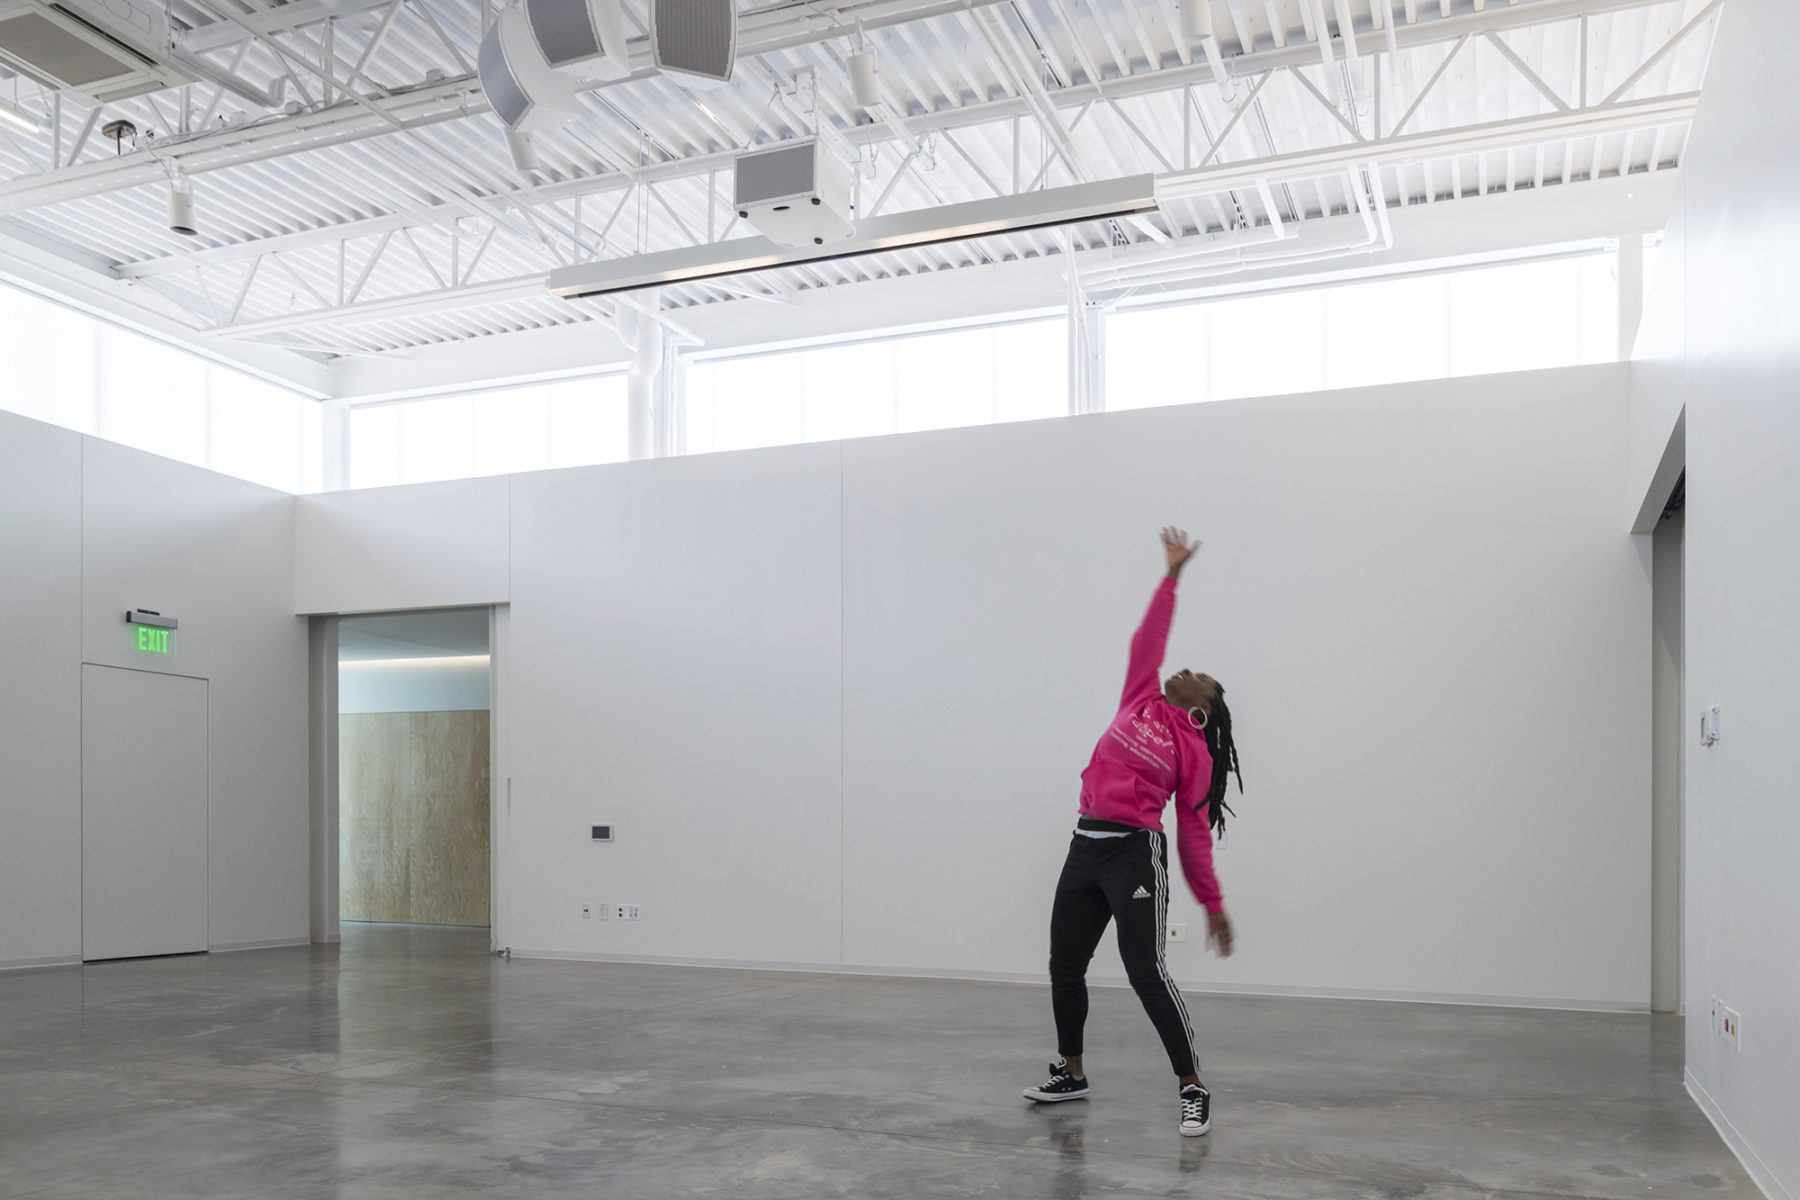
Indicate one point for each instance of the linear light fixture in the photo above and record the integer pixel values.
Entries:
(13, 114)
(1129, 197)
(434, 660)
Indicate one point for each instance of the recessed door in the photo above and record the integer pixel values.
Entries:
(143, 813)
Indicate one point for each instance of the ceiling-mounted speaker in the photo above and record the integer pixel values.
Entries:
(1197, 19)
(797, 194)
(525, 91)
(865, 80)
(695, 40)
(585, 36)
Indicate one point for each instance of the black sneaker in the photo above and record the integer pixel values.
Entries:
(1060, 1086)
(1196, 1110)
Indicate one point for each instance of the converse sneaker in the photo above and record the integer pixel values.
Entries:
(1060, 1086)
(1196, 1110)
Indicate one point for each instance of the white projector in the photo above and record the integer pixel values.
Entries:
(795, 195)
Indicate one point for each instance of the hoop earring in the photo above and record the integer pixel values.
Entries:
(1198, 722)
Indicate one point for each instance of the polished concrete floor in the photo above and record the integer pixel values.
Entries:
(409, 1063)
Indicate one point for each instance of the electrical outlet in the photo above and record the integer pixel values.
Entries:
(587, 912)
(1731, 1028)
(627, 912)
(602, 911)
(1177, 932)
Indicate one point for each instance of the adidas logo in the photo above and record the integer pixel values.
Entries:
(1140, 894)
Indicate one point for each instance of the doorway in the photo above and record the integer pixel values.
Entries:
(1667, 744)
(143, 813)
(414, 738)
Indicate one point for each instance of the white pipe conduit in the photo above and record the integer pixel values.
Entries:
(643, 333)
(270, 98)
(1246, 249)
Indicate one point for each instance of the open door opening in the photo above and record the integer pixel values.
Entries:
(413, 769)
(402, 770)
(1667, 743)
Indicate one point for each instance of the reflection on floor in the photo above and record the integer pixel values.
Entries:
(410, 1063)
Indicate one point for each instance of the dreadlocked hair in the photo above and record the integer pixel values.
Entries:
(1224, 762)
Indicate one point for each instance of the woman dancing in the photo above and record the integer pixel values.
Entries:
(1172, 738)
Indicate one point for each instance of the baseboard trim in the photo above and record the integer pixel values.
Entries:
(1038, 980)
(277, 944)
(1735, 1141)
(29, 964)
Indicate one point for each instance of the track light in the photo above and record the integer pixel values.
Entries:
(181, 211)
(14, 115)
(1197, 19)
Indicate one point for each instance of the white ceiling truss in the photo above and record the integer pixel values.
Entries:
(381, 211)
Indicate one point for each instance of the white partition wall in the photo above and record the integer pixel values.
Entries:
(218, 554)
(837, 697)
(93, 529)
(1432, 629)
(673, 671)
(430, 545)
(40, 692)
(1726, 291)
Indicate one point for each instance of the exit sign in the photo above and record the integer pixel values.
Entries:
(151, 632)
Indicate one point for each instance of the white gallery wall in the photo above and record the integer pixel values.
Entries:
(1733, 359)
(836, 698)
(40, 692)
(89, 530)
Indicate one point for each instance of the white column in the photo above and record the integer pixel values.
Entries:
(1631, 291)
(1087, 336)
(644, 334)
(334, 441)
(671, 403)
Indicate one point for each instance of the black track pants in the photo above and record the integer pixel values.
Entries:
(1124, 879)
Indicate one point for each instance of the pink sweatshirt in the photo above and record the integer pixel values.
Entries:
(1150, 750)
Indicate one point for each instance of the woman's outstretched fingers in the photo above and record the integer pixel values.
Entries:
(1218, 932)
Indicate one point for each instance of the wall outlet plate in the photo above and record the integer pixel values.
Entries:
(1731, 1028)
(627, 912)
(587, 912)
(1177, 932)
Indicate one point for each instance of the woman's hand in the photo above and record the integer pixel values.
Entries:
(1176, 549)
(1218, 933)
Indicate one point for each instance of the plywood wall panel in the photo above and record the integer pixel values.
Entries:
(413, 824)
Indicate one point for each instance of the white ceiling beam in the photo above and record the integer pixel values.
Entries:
(392, 308)
(1444, 143)
(459, 98)
(1496, 225)
(38, 266)
(754, 254)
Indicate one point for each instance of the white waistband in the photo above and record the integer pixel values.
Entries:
(1104, 833)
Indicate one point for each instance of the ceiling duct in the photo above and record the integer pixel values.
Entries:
(100, 53)
(94, 52)
(1113, 198)
(694, 40)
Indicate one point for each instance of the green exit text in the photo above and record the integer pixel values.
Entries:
(155, 641)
